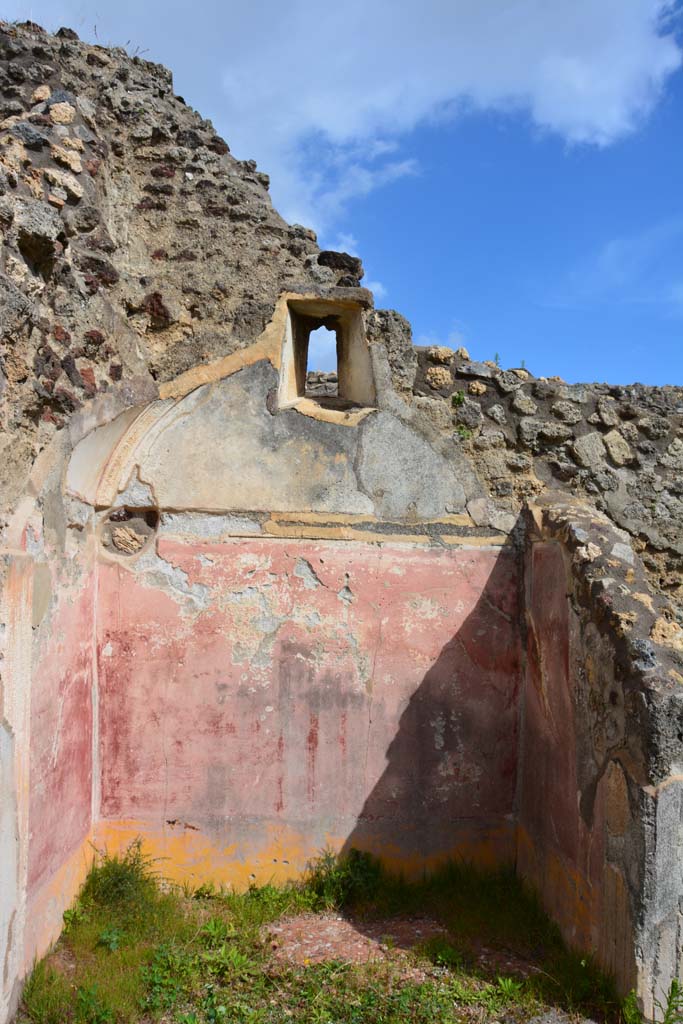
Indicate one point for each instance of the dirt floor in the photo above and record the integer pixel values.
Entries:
(318, 938)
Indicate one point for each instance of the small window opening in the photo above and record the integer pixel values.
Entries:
(322, 379)
(326, 356)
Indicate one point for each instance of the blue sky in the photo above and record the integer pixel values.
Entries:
(509, 170)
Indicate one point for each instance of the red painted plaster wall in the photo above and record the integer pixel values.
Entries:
(336, 692)
(558, 852)
(61, 738)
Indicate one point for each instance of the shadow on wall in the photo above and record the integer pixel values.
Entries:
(448, 788)
(289, 713)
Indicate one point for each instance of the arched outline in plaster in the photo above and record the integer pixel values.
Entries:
(104, 459)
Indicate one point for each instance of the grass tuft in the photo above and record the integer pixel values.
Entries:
(118, 880)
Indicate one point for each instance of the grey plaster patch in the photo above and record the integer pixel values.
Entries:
(42, 592)
(152, 570)
(402, 473)
(304, 571)
(242, 596)
(136, 494)
(77, 513)
(206, 526)
(222, 450)
(34, 541)
(346, 595)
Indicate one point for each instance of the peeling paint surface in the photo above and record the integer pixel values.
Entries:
(306, 700)
(551, 852)
(568, 808)
(61, 729)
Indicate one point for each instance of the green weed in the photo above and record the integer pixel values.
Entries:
(74, 915)
(442, 953)
(336, 882)
(110, 938)
(670, 1012)
(217, 930)
(510, 989)
(90, 1008)
(116, 880)
(166, 978)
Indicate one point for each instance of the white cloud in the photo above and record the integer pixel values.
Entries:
(323, 96)
(343, 242)
(455, 338)
(377, 288)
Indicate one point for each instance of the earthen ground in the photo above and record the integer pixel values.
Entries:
(307, 939)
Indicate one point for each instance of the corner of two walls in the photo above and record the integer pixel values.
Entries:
(15, 674)
(599, 801)
(598, 806)
(46, 743)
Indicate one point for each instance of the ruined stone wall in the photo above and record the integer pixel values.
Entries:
(245, 618)
(620, 447)
(134, 244)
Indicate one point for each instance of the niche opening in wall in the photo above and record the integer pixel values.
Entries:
(129, 531)
(325, 357)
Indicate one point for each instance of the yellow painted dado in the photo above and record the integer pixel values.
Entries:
(189, 856)
(46, 905)
(566, 894)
